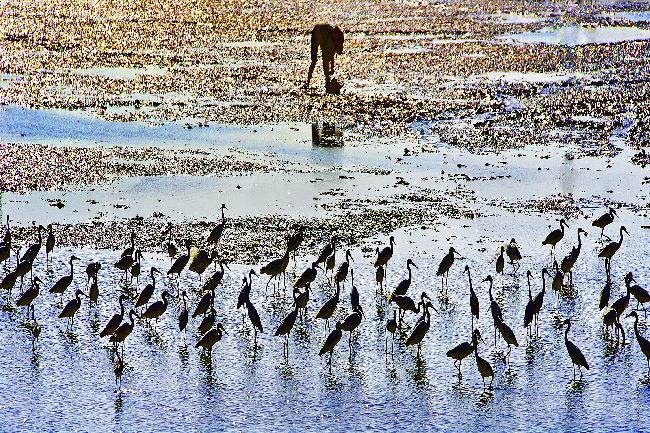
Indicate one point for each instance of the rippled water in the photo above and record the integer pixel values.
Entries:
(67, 381)
(578, 35)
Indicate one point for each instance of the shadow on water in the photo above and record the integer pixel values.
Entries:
(326, 135)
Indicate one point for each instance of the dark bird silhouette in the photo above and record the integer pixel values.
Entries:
(180, 263)
(49, 243)
(404, 285)
(301, 299)
(577, 358)
(327, 251)
(64, 282)
(484, 368)
(276, 268)
(406, 303)
(216, 278)
(285, 328)
(644, 344)
(114, 321)
(332, 340)
(254, 318)
(379, 278)
(328, 308)
(463, 350)
(32, 252)
(294, 241)
(508, 336)
(501, 261)
(610, 249)
(513, 253)
(35, 327)
(208, 321)
(621, 304)
(217, 231)
(26, 299)
(538, 301)
(555, 236)
(184, 316)
(529, 313)
(124, 330)
(421, 328)
(605, 293)
(149, 289)
(351, 323)
(158, 308)
(444, 266)
(212, 337)
(71, 308)
(204, 304)
(354, 293)
(342, 272)
(131, 249)
(495, 309)
(570, 260)
(391, 328)
(385, 255)
(308, 276)
(604, 220)
(473, 299)
(640, 294)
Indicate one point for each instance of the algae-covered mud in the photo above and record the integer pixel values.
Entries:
(186, 127)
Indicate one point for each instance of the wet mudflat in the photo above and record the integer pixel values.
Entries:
(526, 115)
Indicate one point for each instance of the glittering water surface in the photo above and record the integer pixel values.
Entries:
(579, 35)
(67, 381)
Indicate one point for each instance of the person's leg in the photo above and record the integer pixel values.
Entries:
(314, 57)
(326, 68)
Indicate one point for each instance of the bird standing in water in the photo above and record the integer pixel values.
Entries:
(555, 236)
(443, 268)
(604, 220)
(577, 358)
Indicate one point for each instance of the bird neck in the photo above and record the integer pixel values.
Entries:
(121, 307)
(490, 291)
(566, 332)
(71, 267)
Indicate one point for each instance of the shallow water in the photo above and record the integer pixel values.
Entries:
(572, 35)
(67, 382)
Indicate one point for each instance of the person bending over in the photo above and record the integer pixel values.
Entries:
(330, 41)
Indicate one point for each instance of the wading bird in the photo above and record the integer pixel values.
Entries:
(215, 235)
(391, 327)
(131, 249)
(605, 293)
(294, 241)
(512, 251)
(508, 336)
(555, 236)
(26, 299)
(379, 278)
(570, 260)
(406, 303)
(276, 268)
(184, 316)
(65, 281)
(34, 327)
(577, 358)
(123, 331)
(149, 289)
(254, 318)
(385, 255)
(604, 220)
(621, 304)
(473, 299)
(342, 272)
(49, 244)
(463, 350)
(180, 263)
(332, 340)
(497, 315)
(538, 301)
(642, 296)
(301, 299)
(32, 252)
(404, 285)
(71, 308)
(421, 328)
(327, 251)
(212, 337)
(644, 344)
(328, 308)
(114, 321)
(443, 268)
(351, 323)
(501, 261)
(308, 276)
(610, 249)
(529, 313)
(484, 368)
(158, 308)
(285, 329)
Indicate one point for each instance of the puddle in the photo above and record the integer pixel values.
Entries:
(513, 18)
(578, 35)
(636, 17)
(528, 77)
(122, 73)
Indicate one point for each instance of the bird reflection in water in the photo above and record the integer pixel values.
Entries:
(419, 373)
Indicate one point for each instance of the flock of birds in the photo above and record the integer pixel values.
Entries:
(120, 326)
